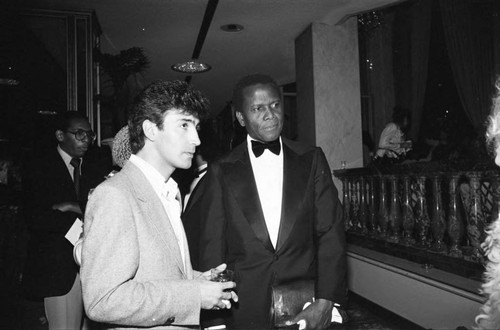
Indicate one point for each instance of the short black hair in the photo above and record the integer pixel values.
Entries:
(251, 80)
(158, 98)
(64, 119)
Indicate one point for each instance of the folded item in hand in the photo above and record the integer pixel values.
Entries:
(289, 299)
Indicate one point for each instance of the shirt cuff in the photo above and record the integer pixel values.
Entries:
(336, 317)
(215, 327)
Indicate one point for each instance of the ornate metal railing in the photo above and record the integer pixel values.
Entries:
(435, 210)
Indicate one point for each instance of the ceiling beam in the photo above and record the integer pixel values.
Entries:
(202, 34)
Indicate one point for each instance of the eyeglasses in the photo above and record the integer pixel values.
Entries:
(80, 135)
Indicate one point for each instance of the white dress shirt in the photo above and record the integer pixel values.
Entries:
(268, 173)
(169, 194)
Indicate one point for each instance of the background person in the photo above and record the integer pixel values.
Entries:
(136, 270)
(53, 202)
(273, 218)
(392, 143)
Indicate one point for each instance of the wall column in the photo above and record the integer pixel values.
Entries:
(328, 92)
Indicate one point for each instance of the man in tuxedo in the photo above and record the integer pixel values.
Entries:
(272, 213)
(56, 187)
(136, 271)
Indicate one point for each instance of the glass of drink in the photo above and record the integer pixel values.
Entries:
(226, 275)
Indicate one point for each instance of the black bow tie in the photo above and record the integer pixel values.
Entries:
(259, 147)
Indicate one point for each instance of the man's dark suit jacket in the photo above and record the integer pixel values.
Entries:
(192, 225)
(50, 269)
(311, 240)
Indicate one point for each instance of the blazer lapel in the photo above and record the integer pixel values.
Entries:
(242, 182)
(66, 180)
(295, 179)
(156, 215)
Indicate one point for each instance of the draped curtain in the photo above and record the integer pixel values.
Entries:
(377, 65)
(420, 36)
(411, 41)
(398, 53)
(469, 38)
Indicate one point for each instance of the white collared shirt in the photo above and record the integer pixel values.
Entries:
(67, 159)
(169, 195)
(268, 173)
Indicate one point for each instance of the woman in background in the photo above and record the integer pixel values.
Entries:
(489, 318)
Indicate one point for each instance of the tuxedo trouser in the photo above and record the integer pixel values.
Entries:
(66, 311)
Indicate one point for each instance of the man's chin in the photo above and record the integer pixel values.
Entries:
(270, 138)
(185, 166)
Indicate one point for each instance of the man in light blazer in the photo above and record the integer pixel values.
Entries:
(273, 215)
(136, 271)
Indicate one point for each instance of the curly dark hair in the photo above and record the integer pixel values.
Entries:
(156, 100)
(251, 80)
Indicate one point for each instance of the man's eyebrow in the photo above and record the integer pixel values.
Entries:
(266, 103)
(189, 120)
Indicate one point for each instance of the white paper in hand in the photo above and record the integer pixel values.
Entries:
(75, 231)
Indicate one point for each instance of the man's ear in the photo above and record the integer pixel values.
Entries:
(59, 135)
(240, 118)
(150, 129)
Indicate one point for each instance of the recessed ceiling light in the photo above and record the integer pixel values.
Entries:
(232, 27)
(192, 66)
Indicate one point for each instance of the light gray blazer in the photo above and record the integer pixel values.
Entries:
(132, 273)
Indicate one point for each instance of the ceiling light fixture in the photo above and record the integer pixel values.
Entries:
(232, 27)
(192, 66)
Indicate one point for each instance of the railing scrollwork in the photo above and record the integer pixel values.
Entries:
(441, 212)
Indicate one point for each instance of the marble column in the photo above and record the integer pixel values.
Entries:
(328, 92)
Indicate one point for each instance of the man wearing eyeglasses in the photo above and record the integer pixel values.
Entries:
(56, 189)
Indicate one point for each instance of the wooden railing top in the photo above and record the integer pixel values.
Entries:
(420, 168)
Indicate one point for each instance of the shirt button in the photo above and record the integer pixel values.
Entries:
(171, 320)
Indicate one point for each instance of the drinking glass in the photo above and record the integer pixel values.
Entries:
(226, 275)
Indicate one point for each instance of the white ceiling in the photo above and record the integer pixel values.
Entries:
(168, 29)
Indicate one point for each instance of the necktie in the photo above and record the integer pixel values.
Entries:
(259, 147)
(75, 162)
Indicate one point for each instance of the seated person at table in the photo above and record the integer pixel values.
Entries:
(392, 142)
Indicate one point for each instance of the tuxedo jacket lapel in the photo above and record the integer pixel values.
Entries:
(153, 208)
(294, 184)
(194, 196)
(242, 182)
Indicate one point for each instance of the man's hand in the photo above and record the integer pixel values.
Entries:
(318, 315)
(67, 207)
(215, 296)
